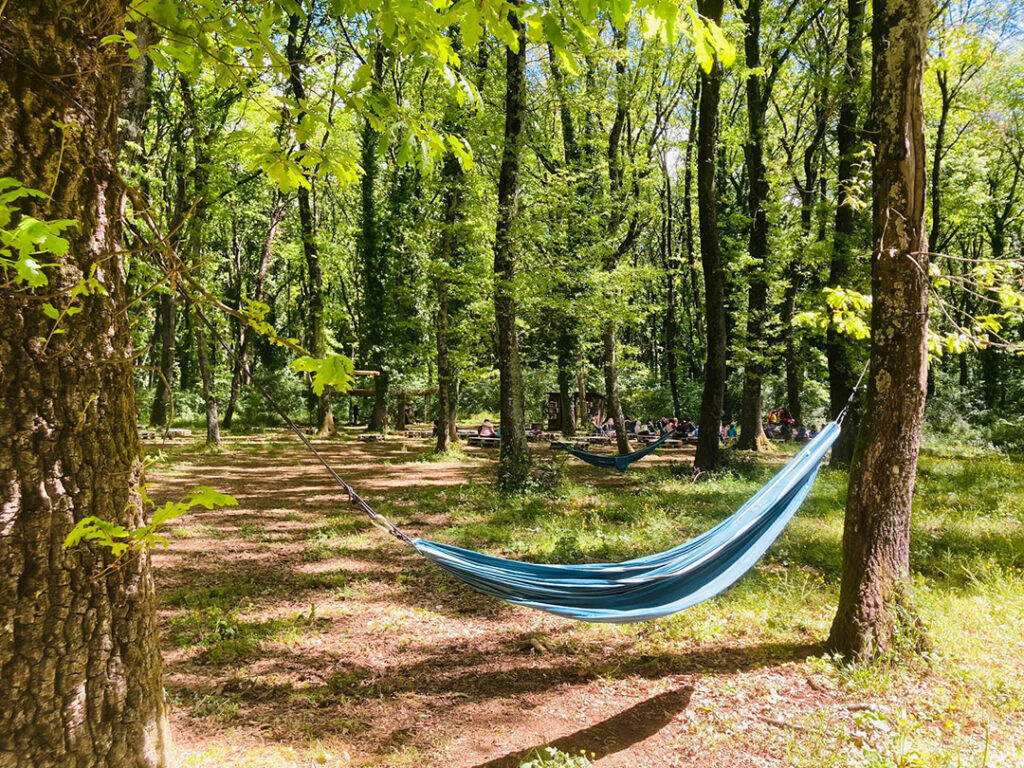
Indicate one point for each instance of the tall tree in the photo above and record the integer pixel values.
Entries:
(876, 613)
(752, 435)
(317, 338)
(841, 374)
(708, 454)
(373, 261)
(244, 336)
(760, 82)
(80, 663)
(514, 464)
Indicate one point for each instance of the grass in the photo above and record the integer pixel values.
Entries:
(960, 705)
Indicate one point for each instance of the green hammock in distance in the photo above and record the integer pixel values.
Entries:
(621, 461)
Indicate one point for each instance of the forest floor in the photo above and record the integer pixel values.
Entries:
(296, 634)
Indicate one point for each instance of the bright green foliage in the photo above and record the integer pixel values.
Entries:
(121, 541)
(332, 371)
(25, 240)
(550, 757)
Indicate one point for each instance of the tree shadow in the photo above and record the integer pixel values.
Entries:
(615, 734)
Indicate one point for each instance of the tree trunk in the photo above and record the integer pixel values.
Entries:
(159, 412)
(80, 665)
(568, 334)
(514, 463)
(206, 375)
(841, 373)
(671, 266)
(317, 338)
(200, 176)
(695, 297)
(940, 141)
(611, 388)
(615, 188)
(373, 265)
(708, 454)
(277, 215)
(752, 437)
(876, 614)
(794, 370)
(445, 382)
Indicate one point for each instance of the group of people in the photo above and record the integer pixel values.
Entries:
(781, 425)
(649, 428)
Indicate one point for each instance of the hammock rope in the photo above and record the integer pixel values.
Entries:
(634, 590)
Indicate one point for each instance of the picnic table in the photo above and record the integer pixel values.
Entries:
(484, 442)
(421, 434)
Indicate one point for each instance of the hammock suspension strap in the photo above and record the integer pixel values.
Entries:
(376, 517)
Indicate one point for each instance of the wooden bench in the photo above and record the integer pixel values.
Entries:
(419, 434)
(484, 442)
(159, 434)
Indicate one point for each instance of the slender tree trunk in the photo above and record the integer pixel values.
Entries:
(695, 296)
(317, 338)
(841, 373)
(445, 382)
(794, 369)
(708, 453)
(206, 375)
(671, 266)
(611, 388)
(568, 334)
(752, 435)
(615, 187)
(374, 266)
(200, 176)
(567, 344)
(80, 665)
(940, 140)
(167, 306)
(876, 614)
(277, 215)
(514, 464)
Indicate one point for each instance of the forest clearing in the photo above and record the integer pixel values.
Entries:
(297, 634)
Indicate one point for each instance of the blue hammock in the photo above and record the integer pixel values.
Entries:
(652, 586)
(622, 461)
(634, 590)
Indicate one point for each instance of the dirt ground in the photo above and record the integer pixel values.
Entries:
(285, 647)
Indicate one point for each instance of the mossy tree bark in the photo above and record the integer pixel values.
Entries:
(514, 463)
(80, 666)
(708, 453)
(841, 373)
(876, 613)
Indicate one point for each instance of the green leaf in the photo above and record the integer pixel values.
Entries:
(332, 371)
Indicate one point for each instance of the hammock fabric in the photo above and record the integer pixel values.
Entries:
(622, 461)
(652, 586)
